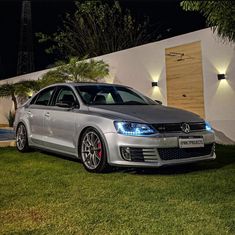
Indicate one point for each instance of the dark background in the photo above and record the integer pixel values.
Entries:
(47, 16)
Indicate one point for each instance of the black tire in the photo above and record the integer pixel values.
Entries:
(93, 157)
(22, 138)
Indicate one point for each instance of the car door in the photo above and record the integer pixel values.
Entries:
(35, 114)
(60, 122)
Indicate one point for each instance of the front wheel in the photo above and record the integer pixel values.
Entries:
(22, 138)
(93, 152)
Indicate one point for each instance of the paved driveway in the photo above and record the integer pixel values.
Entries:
(6, 135)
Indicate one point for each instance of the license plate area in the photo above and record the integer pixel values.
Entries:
(191, 142)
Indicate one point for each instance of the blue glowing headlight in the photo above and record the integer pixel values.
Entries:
(134, 129)
(208, 126)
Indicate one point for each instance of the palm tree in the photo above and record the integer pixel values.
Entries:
(76, 71)
(51, 77)
(19, 91)
(97, 70)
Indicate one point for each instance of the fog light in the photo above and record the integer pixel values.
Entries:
(126, 153)
(213, 148)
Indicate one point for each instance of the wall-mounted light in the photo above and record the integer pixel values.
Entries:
(154, 84)
(30, 94)
(221, 76)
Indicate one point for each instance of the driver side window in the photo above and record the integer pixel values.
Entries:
(66, 95)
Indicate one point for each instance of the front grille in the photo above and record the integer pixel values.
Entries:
(176, 127)
(179, 153)
(139, 154)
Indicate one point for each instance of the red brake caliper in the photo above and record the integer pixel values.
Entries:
(100, 151)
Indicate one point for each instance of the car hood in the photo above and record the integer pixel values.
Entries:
(145, 113)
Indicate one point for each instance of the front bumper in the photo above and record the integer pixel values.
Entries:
(154, 144)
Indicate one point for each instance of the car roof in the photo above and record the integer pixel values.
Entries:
(87, 84)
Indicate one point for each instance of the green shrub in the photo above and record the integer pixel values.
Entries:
(10, 118)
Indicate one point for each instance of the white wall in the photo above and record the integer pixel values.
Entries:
(139, 66)
(5, 103)
(219, 95)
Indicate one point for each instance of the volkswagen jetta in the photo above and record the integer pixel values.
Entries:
(104, 124)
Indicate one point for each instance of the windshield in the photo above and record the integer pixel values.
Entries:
(111, 95)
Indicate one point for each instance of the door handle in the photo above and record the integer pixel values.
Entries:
(47, 115)
(29, 113)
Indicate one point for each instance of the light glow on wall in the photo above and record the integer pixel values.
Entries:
(110, 79)
(224, 84)
(222, 69)
(156, 90)
(222, 61)
(155, 77)
(157, 74)
(223, 93)
(30, 93)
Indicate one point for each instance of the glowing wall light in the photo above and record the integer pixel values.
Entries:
(221, 76)
(154, 84)
(30, 94)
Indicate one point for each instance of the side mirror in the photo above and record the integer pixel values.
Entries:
(159, 102)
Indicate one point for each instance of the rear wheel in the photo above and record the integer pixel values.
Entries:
(93, 152)
(22, 138)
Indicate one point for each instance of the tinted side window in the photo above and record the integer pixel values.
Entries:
(44, 97)
(34, 99)
(65, 95)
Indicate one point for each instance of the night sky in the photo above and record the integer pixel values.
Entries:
(47, 16)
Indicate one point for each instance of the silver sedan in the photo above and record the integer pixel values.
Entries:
(104, 124)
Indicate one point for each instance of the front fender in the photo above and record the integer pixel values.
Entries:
(102, 125)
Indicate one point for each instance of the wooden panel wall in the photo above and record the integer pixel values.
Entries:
(184, 77)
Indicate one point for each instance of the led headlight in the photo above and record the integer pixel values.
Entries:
(208, 126)
(134, 129)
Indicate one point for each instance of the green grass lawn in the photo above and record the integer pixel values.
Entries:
(47, 194)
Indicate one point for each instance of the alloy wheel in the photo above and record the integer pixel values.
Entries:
(91, 150)
(21, 137)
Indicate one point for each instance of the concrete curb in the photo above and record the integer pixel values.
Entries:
(7, 128)
(8, 143)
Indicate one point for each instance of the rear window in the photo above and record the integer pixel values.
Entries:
(44, 97)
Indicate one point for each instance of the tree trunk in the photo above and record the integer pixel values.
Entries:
(14, 101)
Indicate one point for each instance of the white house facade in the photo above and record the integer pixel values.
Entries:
(186, 69)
